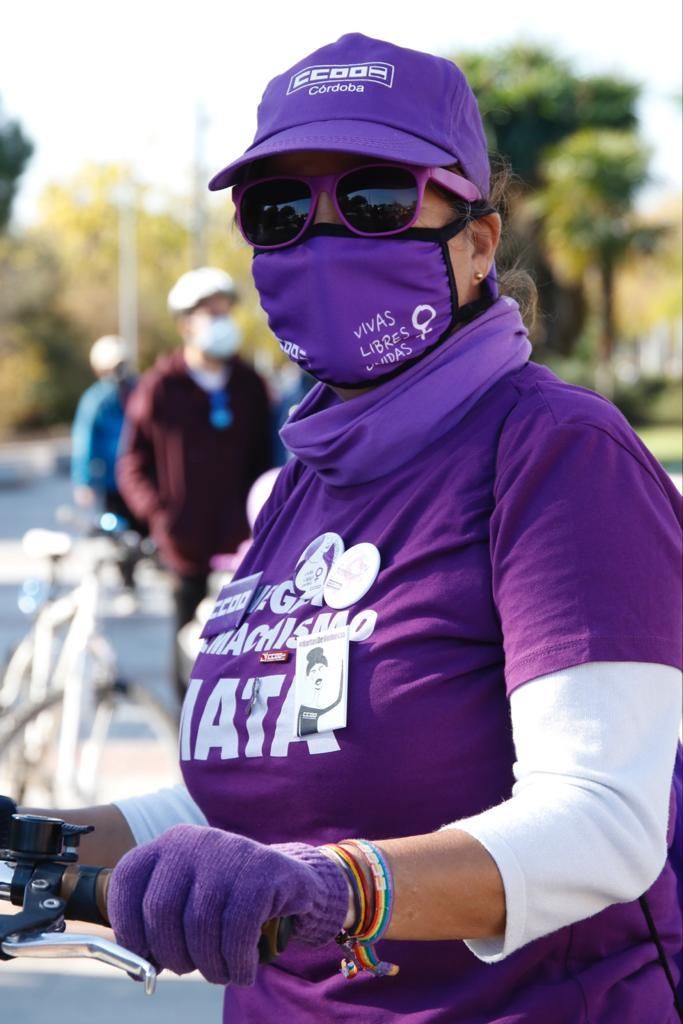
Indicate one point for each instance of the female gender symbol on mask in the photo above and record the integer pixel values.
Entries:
(421, 322)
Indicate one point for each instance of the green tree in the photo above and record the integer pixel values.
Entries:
(590, 225)
(41, 367)
(60, 288)
(649, 290)
(15, 150)
(79, 221)
(531, 100)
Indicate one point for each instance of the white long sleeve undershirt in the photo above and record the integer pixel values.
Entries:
(151, 814)
(586, 824)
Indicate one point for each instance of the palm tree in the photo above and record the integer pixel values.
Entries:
(591, 180)
(531, 100)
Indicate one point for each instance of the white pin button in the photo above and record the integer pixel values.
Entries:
(351, 576)
(315, 563)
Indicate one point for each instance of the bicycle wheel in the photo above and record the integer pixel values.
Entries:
(128, 745)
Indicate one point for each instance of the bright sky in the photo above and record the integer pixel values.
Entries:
(91, 81)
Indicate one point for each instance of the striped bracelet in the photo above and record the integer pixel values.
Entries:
(357, 884)
(373, 908)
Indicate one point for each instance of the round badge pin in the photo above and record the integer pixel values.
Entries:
(315, 562)
(351, 576)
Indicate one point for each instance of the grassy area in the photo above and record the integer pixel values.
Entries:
(665, 443)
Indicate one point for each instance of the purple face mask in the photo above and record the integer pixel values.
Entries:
(351, 311)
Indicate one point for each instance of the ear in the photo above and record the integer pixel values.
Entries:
(485, 235)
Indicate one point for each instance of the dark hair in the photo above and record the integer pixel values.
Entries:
(316, 656)
(513, 279)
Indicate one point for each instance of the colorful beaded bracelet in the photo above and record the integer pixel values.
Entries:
(374, 908)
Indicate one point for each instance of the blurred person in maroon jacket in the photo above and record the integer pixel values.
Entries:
(197, 434)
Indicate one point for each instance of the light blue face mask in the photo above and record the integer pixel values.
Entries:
(220, 338)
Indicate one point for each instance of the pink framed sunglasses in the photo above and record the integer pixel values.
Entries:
(372, 201)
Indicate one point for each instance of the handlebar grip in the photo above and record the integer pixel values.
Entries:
(7, 809)
(84, 890)
(275, 935)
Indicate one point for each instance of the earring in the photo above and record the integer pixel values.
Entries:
(479, 276)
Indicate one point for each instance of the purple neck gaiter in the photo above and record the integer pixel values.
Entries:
(352, 311)
(370, 435)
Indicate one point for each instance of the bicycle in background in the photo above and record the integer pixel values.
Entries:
(64, 706)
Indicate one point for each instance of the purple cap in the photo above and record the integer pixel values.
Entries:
(362, 95)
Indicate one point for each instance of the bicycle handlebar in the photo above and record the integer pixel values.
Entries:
(40, 873)
(108, 525)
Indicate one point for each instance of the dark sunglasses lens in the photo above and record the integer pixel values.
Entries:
(274, 212)
(375, 200)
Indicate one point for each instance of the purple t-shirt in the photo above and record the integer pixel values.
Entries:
(535, 534)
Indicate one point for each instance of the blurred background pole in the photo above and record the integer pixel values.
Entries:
(199, 191)
(128, 265)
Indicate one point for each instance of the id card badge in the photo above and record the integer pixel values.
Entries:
(321, 681)
(231, 606)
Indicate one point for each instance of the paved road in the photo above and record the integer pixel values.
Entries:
(88, 993)
(80, 992)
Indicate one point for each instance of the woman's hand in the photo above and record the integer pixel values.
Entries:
(196, 898)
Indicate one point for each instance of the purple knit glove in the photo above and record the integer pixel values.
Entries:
(196, 898)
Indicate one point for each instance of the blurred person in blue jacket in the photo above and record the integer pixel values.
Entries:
(96, 432)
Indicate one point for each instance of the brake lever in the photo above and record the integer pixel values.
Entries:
(53, 944)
